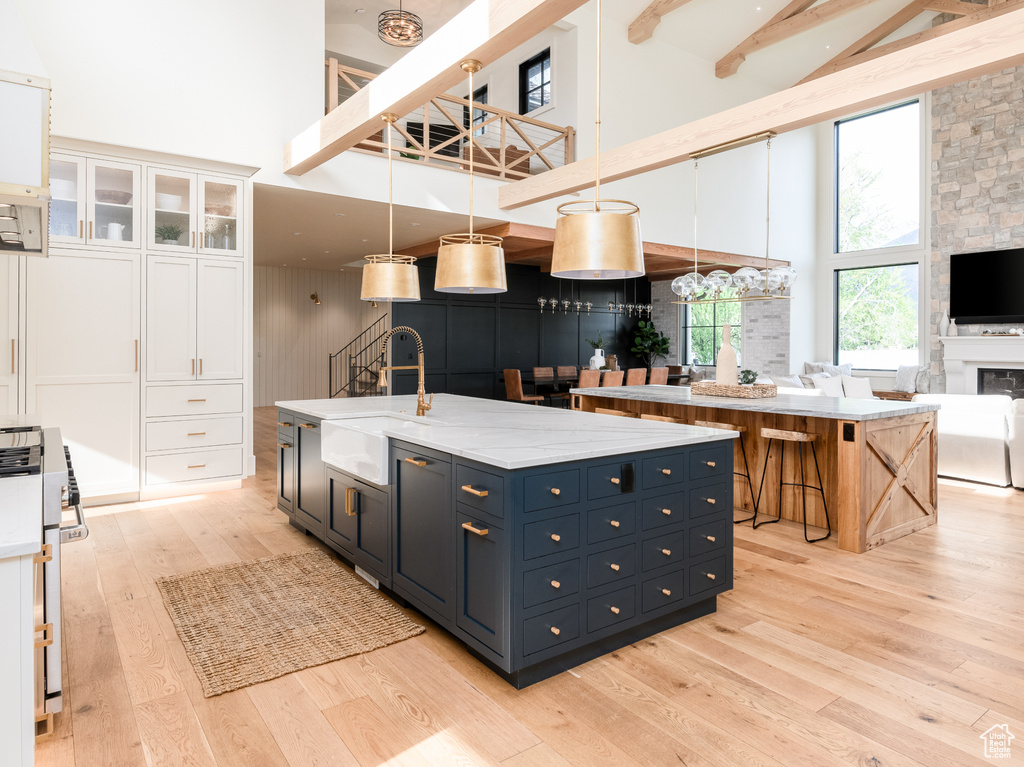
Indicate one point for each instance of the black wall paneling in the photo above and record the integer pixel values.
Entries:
(469, 339)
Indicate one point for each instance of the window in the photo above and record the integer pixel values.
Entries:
(878, 179)
(535, 82)
(702, 331)
(479, 115)
(877, 316)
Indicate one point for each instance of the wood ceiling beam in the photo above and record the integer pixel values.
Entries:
(982, 47)
(643, 26)
(912, 41)
(956, 7)
(485, 30)
(801, 17)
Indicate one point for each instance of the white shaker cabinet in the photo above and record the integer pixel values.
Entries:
(194, 213)
(10, 352)
(219, 321)
(95, 202)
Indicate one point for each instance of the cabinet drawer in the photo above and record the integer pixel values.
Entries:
(663, 590)
(286, 424)
(551, 629)
(606, 524)
(610, 479)
(710, 537)
(664, 510)
(607, 610)
(551, 536)
(481, 490)
(610, 566)
(663, 550)
(546, 491)
(185, 467)
(202, 432)
(664, 470)
(710, 462)
(551, 582)
(710, 499)
(709, 575)
(193, 400)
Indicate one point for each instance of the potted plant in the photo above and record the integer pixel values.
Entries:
(597, 362)
(649, 344)
(748, 377)
(168, 233)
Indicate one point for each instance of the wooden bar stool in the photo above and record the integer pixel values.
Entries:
(799, 437)
(746, 467)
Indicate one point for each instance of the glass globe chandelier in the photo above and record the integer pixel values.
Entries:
(400, 28)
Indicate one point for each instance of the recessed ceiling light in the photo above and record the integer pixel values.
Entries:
(413, 223)
(327, 251)
(365, 240)
(339, 214)
(303, 259)
(297, 233)
(827, 47)
(360, 10)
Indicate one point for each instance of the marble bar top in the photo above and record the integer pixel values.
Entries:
(845, 409)
(510, 435)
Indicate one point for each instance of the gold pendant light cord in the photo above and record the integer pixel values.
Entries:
(597, 122)
(695, 164)
(391, 201)
(768, 209)
(472, 95)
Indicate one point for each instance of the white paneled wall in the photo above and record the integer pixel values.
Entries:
(293, 337)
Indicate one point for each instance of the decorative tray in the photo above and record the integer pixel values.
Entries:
(747, 391)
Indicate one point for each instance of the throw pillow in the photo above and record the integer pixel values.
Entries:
(808, 379)
(697, 374)
(791, 382)
(859, 388)
(827, 367)
(923, 383)
(831, 385)
(906, 378)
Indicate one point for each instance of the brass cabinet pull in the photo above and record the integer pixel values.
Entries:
(710, 538)
(193, 366)
(555, 630)
(614, 567)
(556, 585)
(711, 576)
(615, 480)
(45, 555)
(615, 610)
(47, 640)
(667, 512)
(350, 497)
(283, 423)
(196, 434)
(307, 425)
(666, 592)
(90, 230)
(198, 466)
(469, 526)
(136, 355)
(201, 399)
(667, 552)
(477, 493)
(200, 366)
(712, 464)
(556, 537)
(81, 223)
(413, 461)
(666, 472)
(614, 523)
(710, 500)
(193, 239)
(283, 445)
(555, 491)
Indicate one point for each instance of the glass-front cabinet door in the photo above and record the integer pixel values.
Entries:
(172, 210)
(112, 204)
(220, 205)
(67, 199)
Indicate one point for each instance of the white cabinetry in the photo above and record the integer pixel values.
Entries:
(9, 335)
(94, 202)
(194, 213)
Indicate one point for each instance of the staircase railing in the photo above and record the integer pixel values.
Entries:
(354, 371)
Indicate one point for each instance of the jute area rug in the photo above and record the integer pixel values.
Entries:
(248, 622)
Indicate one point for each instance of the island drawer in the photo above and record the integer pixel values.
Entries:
(663, 590)
(710, 499)
(205, 399)
(664, 510)
(705, 576)
(611, 522)
(481, 490)
(200, 432)
(610, 479)
(551, 629)
(710, 537)
(546, 491)
(616, 564)
(609, 609)
(664, 470)
(551, 536)
(709, 462)
(552, 582)
(666, 549)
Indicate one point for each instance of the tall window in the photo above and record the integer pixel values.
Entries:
(479, 115)
(535, 82)
(878, 179)
(877, 316)
(702, 331)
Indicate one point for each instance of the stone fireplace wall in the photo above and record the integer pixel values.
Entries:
(977, 182)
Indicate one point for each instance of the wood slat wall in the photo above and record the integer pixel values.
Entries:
(293, 337)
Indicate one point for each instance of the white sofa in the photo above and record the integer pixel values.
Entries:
(974, 436)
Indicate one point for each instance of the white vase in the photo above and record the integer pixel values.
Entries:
(597, 361)
(726, 372)
(953, 329)
(944, 324)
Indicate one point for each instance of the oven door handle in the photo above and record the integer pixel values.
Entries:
(75, 532)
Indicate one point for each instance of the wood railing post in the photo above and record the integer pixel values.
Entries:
(570, 145)
(502, 144)
(332, 84)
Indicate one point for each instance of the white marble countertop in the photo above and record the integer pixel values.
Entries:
(21, 516)
(510, 435)
(847, 409)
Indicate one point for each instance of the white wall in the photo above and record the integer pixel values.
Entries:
(17, 52)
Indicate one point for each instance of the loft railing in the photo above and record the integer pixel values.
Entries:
(355, 370)
(504, 144)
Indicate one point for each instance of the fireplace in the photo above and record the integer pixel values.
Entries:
(1001, 381)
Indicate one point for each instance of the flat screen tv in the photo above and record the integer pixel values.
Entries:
(987, 287)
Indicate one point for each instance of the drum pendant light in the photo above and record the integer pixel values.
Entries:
(597, 239)
(390, 277)
(470, 262)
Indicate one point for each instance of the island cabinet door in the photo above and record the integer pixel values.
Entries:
(481, 582)
(285, 475)
(310, 478)
(357, 523)
(422, 537)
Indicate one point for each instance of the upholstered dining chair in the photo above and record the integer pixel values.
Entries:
(659, 377)
(612, 378)
(514, 388)
(566, 371)
(636, 376)
(589, 378)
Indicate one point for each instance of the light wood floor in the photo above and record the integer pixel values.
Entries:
(901, 656)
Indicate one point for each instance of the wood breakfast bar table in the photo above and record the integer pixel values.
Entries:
(878, 459)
